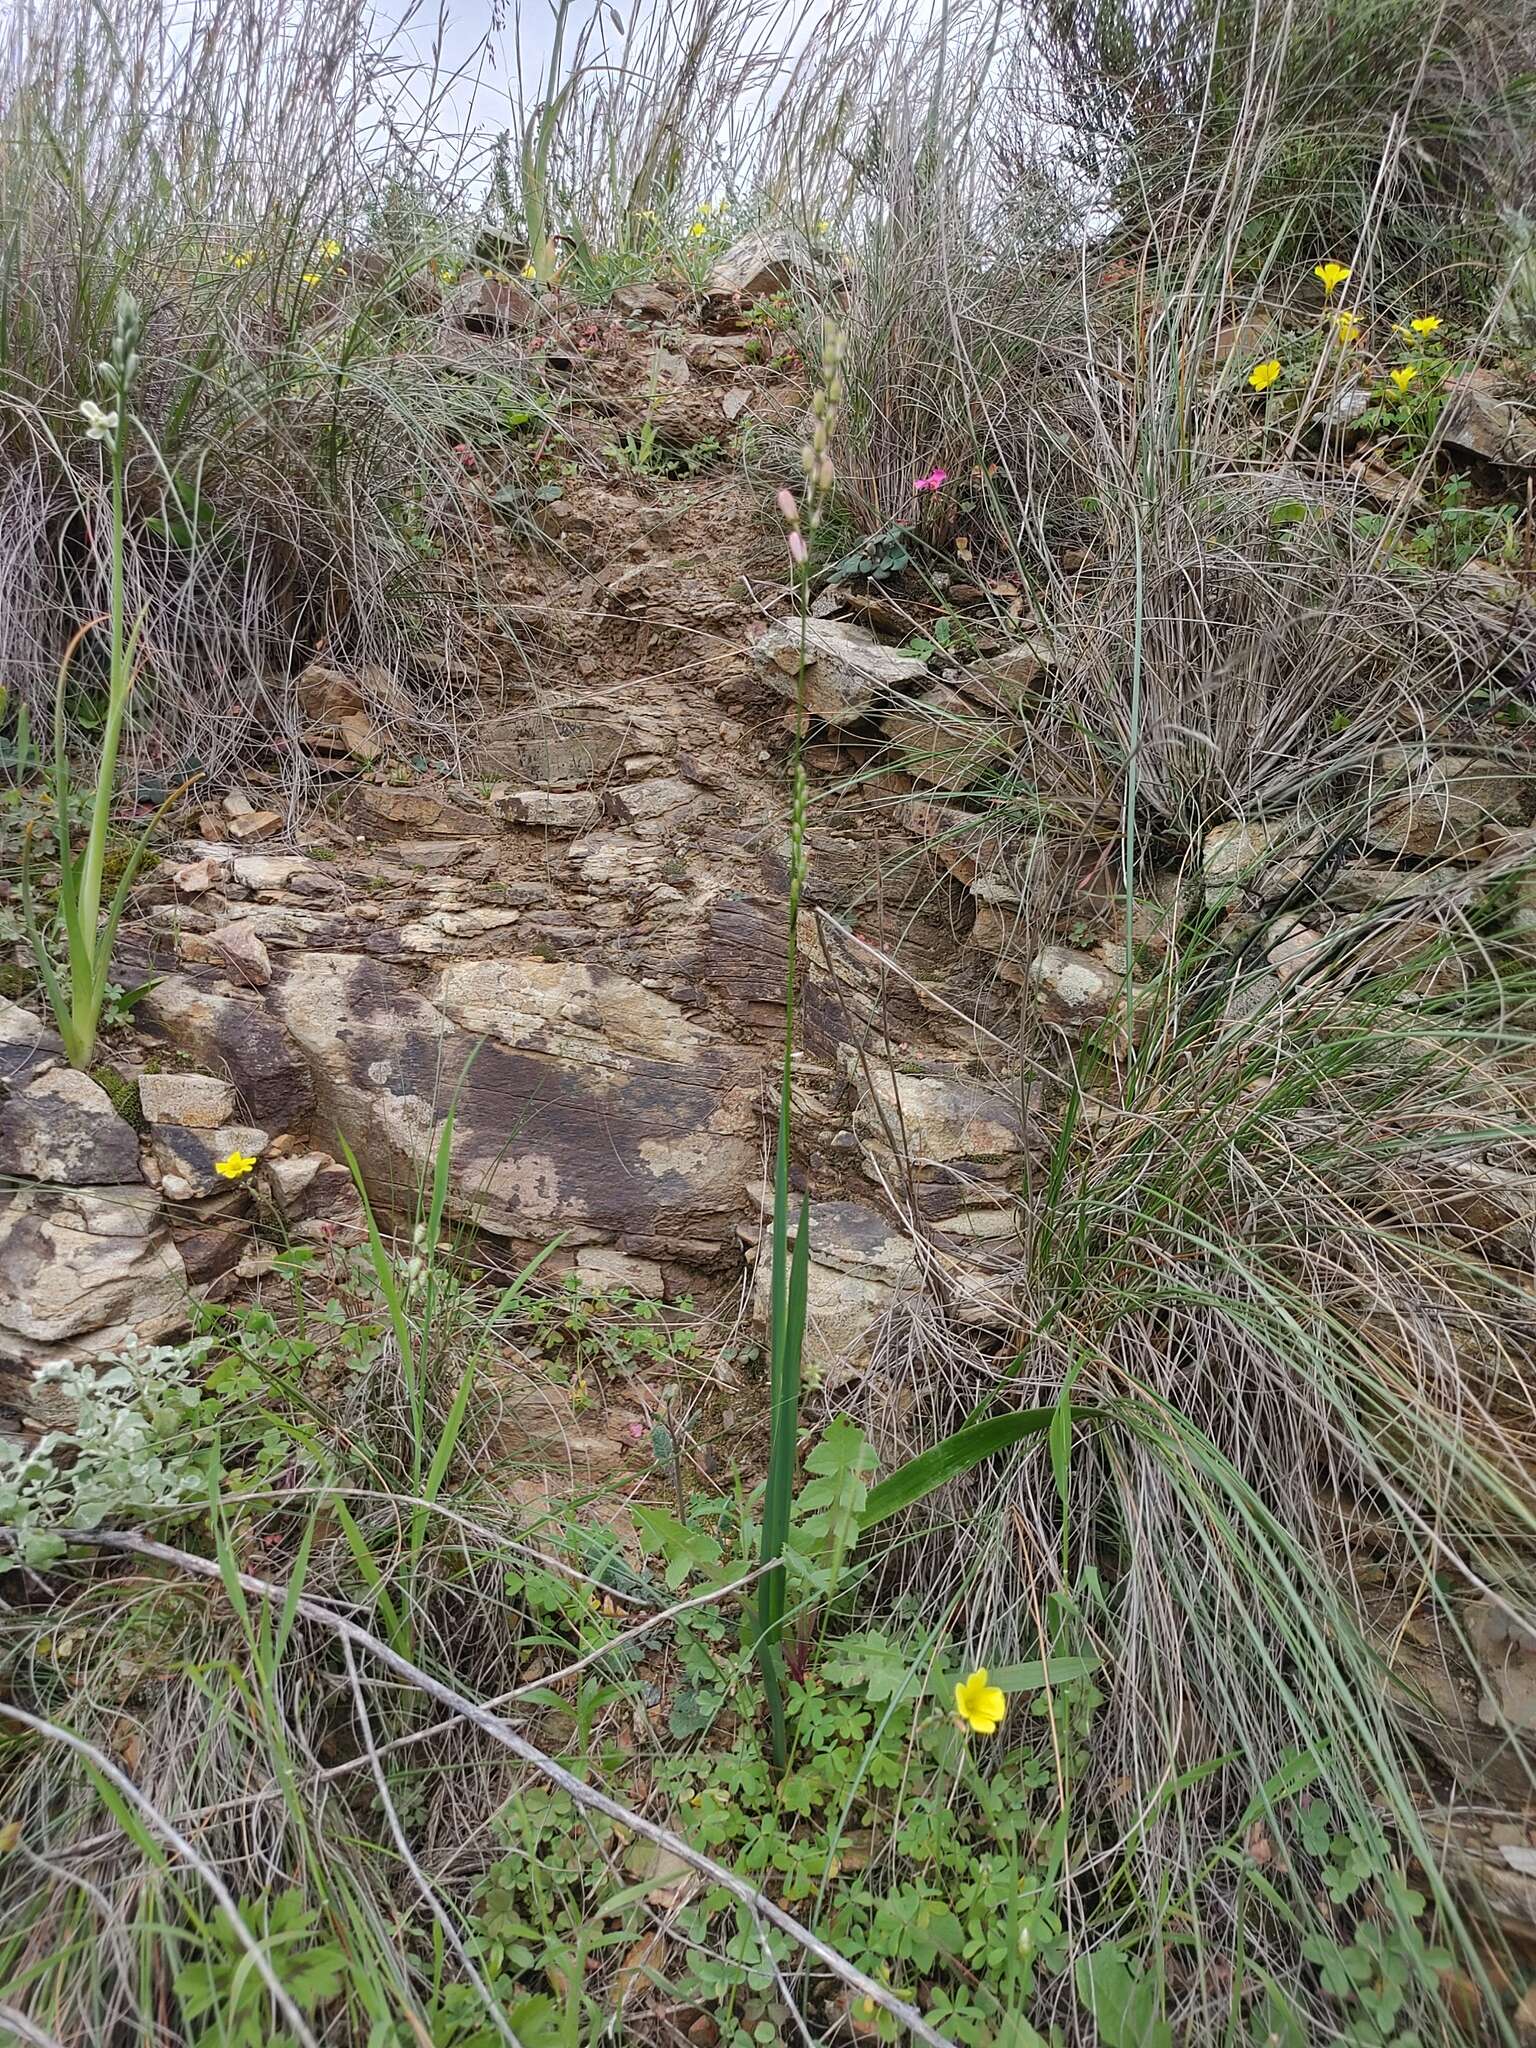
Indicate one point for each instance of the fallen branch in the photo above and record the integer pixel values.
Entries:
(501, 1731)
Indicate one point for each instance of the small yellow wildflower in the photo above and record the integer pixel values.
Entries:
(245, 257)
(978, 1705)
(1331, 276)
(235, 1167)
(311, 277)
(698, 229)
(1403, 378)
(1349, 324)
(1427, 323)
(529, 271)
(330, 251)
(823, 227)
(1262, 375)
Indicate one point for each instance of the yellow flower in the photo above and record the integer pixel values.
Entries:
(246, 256)
(823, 227)
(311, 277)
(979, 1705)
(1427, 323)
(529, 271)
(235, 1167)
(330, 251)
(1262, 375)
(697, 229)
(1330, 275)
(1349, 324)
(1403, 378)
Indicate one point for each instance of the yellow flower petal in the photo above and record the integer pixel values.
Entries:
(1427, 323)
(1331, 275)
(235, 1167)
(1404, 377)
(1262, 375)
(980, 1706)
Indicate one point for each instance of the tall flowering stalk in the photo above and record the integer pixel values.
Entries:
(77, 994)
(787, 1293)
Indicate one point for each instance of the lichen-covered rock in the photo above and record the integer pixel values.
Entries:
(238, 1037)
(83, 1270)
(934, 1122)
(584, 1103)
(1076, 991)
(848, 672)
(201, 1102)
(759, 264)
(859, 1265)
(191, 1157)
(1263, 861)
(60, 1126)
(27, 1044)
(1442, 804)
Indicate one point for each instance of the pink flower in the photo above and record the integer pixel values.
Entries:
(935, 480)
(798, 551)
(789, 511)
(465, 453)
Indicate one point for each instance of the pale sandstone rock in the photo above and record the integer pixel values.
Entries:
(59, 1126)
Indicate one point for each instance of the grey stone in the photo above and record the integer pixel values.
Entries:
(551, 810)
(83, 1270)
(200, 1102)
(238, 1037)
(585, 1102)
(60, 1126)
(1442, 804)
(859, 1264)
(600, 1269)
(316, 1197)
(848, 674)
(26, 1044)
(237, 949)
(191, 1156)
(1476, 418)
(643, 302)
(757, 265)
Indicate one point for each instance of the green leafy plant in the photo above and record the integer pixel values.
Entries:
(226, 2002)
(124, 1451)
(885, 553)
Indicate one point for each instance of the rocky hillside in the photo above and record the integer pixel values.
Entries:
(571, 936)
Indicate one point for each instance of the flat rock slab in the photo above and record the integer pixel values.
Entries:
(585, 1104)
(859, 1264)
(849, 673)
(236, 1037)
(26, 1044)
(82, 1271)
(60, 1126)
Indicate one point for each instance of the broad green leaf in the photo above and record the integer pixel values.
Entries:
(934, 1468)
(685, 1550)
